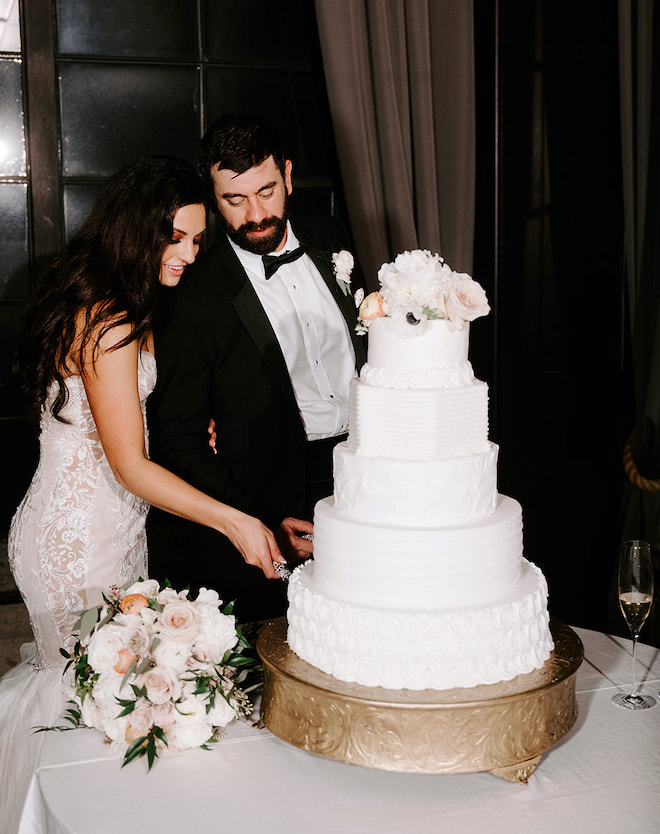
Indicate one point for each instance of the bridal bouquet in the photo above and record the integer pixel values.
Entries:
(153, 669)
(419, 287)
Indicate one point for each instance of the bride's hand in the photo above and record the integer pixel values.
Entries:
(254, 541)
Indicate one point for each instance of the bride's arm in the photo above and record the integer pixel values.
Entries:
(111, 384)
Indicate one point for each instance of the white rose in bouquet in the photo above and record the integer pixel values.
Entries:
(104, 647)
(217, 633)
(221, 712)
(147, 587)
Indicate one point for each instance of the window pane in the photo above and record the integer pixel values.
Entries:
(10, 33)
(275, 31)
(111, 115)
(288, 99)
(122, 28)
(14, 271)
(12, 137)
(78, 202)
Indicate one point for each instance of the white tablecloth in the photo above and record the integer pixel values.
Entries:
(603, 776)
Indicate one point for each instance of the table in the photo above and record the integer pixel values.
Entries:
(603, 776)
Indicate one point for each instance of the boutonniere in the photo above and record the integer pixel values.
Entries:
(343, 264)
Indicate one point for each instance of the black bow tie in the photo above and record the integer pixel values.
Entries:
(273, 262)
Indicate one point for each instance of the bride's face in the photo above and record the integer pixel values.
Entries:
(189, 227)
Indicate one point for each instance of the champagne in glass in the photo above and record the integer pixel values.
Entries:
(635, 600)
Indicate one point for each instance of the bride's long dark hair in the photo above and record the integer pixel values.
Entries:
(106, 275)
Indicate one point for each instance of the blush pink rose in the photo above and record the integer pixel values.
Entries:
(164, 714)
(179, 621)
(466, 301)
(140, 721)
(162, 684)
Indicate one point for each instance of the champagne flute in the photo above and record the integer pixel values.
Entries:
(635, 600)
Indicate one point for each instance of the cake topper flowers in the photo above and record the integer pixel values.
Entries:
(343, 264)
(419, 287)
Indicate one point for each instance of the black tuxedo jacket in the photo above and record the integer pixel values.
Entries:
(218, 357)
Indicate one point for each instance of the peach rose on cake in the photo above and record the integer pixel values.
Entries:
(372, 307)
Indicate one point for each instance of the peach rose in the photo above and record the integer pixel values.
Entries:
(133, 603)
(372, 307)
(126, 657)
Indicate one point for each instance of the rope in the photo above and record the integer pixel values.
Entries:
(630, 466)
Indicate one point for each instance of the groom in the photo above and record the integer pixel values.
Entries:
(260, 337)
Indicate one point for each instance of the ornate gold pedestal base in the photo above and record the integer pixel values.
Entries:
(503, 728)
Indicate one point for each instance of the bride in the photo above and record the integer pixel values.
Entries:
(87, 366)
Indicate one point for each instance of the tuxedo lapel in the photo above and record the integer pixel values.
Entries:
(251, 313)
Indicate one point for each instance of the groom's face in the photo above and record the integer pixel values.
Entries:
(253, 205)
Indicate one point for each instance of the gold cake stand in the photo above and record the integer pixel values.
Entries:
(503, 728)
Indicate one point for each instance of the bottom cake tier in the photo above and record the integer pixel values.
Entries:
(421, 650)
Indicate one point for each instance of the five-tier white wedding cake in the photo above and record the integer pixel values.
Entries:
(418, 579)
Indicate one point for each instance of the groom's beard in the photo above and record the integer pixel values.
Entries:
(262, 245)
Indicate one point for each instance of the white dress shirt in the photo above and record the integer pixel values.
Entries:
(313, 335)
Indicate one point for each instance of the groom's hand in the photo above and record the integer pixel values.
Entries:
(293, 537)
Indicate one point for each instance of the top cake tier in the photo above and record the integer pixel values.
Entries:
(435, 356)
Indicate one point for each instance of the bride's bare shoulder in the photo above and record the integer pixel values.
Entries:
(93, 341)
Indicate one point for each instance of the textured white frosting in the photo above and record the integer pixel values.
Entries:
(418, 424)
(435, 356)
(390, 566)
(443, 649)
(415, 493)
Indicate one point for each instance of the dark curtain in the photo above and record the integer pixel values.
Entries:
(400, 80)
(640, 109)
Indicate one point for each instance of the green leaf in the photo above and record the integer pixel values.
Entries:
(109, 615)
(87, 622)
(135, 750)
(128, 673)
(159, 733)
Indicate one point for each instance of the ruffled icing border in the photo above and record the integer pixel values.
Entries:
(408, 650)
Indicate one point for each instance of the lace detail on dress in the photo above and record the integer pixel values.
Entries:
(77, 531)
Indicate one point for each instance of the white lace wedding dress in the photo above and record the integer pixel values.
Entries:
(75, 534)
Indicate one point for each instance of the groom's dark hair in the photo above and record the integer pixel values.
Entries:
(238, 142)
